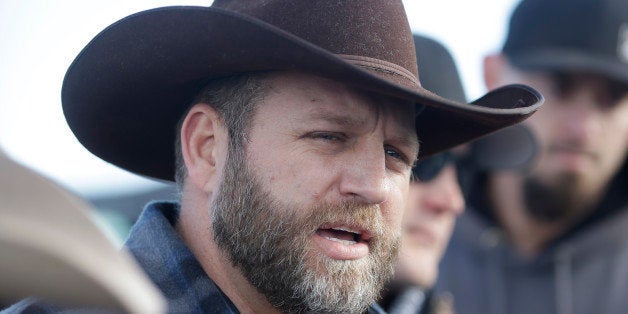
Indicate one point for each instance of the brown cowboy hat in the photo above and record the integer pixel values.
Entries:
(124, 93)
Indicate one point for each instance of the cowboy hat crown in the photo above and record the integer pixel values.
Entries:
(124, 93)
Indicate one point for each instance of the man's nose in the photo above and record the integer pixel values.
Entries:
(442, 194)
(364, 177)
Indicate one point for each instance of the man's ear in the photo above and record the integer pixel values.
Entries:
(204, 141)
(494, 67)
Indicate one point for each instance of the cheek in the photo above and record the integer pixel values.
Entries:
(397, 205)
(616, 138)
(413, 200)
(620, 122)
(284, 173)
(288, 184)
(448, 227)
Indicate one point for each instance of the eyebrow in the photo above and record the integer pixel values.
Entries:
(407, 139)
(335, 118)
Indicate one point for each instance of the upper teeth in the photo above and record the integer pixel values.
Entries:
(346, 230)
(349, 242)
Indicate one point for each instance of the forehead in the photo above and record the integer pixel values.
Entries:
(317, 94)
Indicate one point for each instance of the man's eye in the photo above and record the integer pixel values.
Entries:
(399, 156)
(393, 153)
(562, 84)
(327, 136)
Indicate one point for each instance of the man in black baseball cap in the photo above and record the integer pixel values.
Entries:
(552, 239)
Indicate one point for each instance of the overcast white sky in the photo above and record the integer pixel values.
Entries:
(40, 38)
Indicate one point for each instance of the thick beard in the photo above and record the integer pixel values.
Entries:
(270, 242)
(552, 203)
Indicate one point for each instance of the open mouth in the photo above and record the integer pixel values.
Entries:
(344, 235)
(341, 241)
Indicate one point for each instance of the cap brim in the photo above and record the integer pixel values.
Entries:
(124, 93)
(569, 60)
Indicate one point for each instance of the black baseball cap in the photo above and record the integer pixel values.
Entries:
(570, 35)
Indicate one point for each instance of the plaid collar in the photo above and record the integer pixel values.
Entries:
(173, 268)
(171, 265)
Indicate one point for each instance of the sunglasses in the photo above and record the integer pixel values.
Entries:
(429, 168)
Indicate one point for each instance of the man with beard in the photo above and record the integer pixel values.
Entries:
(552, 239)
(298, 125)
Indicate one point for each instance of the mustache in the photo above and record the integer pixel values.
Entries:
(350, 213)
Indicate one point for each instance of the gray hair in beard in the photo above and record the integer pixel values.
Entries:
(268, 241)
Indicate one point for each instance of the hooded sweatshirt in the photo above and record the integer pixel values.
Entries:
(584, 271)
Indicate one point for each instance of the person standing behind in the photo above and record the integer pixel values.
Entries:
(434, 202)
(435, 196)
(553, 239)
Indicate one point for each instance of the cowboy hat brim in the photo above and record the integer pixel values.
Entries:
(52, 248)
(125, 92)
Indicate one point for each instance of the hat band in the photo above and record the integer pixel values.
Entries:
(381, 66)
